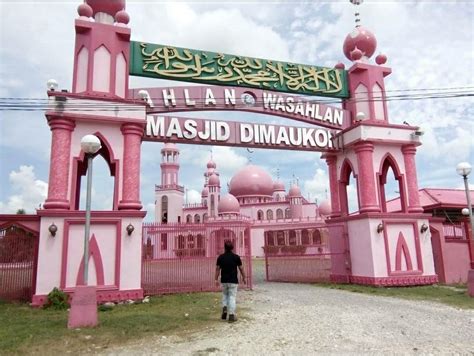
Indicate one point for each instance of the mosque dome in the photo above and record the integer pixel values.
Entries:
(213, 180)
(251, 181)
(325, 208)
(294, 192)
(211, 164)
(110, 7)
(278, 186)
(359, 40)
(228, 204)
(205, 193)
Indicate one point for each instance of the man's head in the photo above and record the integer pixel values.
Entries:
(228, 246)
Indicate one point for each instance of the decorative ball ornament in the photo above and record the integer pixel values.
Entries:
(340, 65)
(84, 10)
(362, 39)
(122, 17)
(465, 211)
(381, 59)
(356, 54)
(110, 7)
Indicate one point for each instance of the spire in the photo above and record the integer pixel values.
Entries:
(357, 14)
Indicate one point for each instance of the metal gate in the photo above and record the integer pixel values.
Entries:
(18, 257)
(299, 255)
(182, 257)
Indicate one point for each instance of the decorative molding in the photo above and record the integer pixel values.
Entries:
(394, 281)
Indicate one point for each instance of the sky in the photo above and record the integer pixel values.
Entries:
(429, 45)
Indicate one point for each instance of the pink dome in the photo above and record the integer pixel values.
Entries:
(205, 193)
(251, 181)
(211, 164)
(214, 180)
(228, 204)
(325, 208)
(110, 7)
(278, 186)
(84, 10)
(294, 192)
(362, 39)
(122, 17)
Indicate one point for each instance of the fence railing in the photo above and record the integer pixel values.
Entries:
(454, 230)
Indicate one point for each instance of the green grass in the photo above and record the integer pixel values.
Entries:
(24, 330)
(455, 296)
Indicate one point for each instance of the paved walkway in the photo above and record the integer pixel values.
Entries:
(299, 319)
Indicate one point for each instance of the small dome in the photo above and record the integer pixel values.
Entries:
(211, 164)
(278, 186)
(205, 193)
(170, 147)
(110, 7)
(362, 40)
(228, 204)
(214, 180)
(294, 192)
(251, 181)
(325, 208)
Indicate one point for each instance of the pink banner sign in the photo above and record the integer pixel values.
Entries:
(202, 98)
(241, 134)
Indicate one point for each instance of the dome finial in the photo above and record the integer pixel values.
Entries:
(357, 13)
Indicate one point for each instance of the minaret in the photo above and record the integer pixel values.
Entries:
(296, 202)
(169, 195)
(102, 50)
(214, 195)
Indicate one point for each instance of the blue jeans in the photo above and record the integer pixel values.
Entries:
(229, 293)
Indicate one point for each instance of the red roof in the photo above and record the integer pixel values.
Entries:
(431, 198)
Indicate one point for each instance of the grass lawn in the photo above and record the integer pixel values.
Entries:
(24, 330)
(455, 296)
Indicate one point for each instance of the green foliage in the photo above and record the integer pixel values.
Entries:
(57, 300)
(21, 212)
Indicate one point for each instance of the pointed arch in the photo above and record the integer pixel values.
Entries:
(389, 162)
(80, 169)
(402, 248)
(94, 252)
(344, 179)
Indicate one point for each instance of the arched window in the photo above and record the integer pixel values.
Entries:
(316, 237)
(164, 209)
(260, 215)
(287, 213)
(391, 184)
(348, 190)
(305, 237)
(269, 214)
(279, 214)
(281, 238)
(292, 237)
(197, 218)
(204, 217)
(189, 218)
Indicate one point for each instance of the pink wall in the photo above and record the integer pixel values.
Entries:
(456, 261)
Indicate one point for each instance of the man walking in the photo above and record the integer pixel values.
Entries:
(227, 264)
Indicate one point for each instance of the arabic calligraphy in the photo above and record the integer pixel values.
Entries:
(175, 63)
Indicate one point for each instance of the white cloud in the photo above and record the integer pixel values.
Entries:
(318, 186)
(28, 192)
(193, 196)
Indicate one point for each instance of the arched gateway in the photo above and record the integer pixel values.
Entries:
(374, 247)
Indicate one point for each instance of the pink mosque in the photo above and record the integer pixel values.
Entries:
(384, 243)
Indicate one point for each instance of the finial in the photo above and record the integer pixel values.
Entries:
(250, 155)
(278, 173)
(357, 14)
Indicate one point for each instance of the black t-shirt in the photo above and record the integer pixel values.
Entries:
(228, 263)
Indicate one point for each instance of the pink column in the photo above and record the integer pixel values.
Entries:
(61, 131)
(132, 139)
(333, 186)
(365, 177)
(411, 179)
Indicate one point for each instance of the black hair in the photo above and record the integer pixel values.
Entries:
(228, 246)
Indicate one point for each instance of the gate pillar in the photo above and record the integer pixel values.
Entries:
(98, 105)
(387, 243)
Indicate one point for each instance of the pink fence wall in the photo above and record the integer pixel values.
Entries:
(456, 261)
(182, 257)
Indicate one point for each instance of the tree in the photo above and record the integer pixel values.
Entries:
(21, 211)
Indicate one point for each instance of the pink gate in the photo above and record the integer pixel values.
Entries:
(181, 258)
(18, 257)
(298, 255)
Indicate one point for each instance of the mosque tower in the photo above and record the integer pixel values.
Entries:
(169, 195)
(214, 187)
(296, 202)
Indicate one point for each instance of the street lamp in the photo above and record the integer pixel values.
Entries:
(463, 169)
(83, 312)
(90, 144)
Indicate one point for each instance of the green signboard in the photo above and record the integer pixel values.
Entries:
(174, 63)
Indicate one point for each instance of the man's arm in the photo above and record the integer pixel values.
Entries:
(218, 269)
(242, 273)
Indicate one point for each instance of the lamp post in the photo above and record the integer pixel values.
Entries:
(83, 312)
(463, 169)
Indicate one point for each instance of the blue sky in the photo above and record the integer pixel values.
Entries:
(429, 44)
